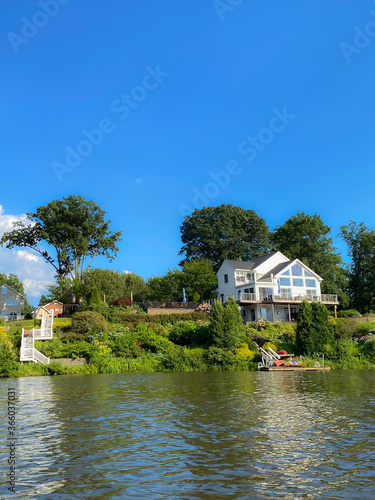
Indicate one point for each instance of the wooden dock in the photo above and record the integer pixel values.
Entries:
(294, 369)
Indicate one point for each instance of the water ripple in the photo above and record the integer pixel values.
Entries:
(195, 435)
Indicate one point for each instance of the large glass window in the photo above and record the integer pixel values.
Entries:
(4, 290)
(11, 302)
(308, 274)
(297, 282)
(310, 283)
(286, 273)
(296, 270)
(284, 281)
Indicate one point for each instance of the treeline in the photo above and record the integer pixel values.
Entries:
(76, 230)
(212, 234)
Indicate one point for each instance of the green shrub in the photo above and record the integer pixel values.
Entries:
(182, 333)
(271, 345)
(50, 348)
(349, 313)
(86, 322)
(224, 358)
(368, 349)
(80, 349)
(150, 340)
(7, 355)
(243, 352)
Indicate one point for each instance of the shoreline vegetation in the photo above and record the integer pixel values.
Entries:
(124, 341)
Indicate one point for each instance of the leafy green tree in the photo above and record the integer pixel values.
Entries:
(224, 232)
(113, 284)
(216, 327)
(136, 284)
(65, 290)
(13, 281)
(198, 276)
(361, 248)
(44, 300)
(306, 237)
(321, 328)
(304, 340)
(168, 287)
(74, 229)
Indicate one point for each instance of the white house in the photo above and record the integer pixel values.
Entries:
(270, 287)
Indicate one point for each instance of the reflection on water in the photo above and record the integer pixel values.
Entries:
(194, 435)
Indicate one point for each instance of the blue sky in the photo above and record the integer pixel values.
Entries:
(219, 71)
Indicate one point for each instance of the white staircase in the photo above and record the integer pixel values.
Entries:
(28, 351)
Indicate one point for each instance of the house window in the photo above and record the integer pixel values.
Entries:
(284, 281)
(286, 273)
(296, 270)
(243, 312)
(308, 274)
(297, 282)
(310, 283)
(286, 293)
(4, 314)
(4, 290)
(11, 302)
(225, 278)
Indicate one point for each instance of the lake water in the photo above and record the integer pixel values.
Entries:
(193, 435)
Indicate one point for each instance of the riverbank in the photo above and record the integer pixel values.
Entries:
(135, 343)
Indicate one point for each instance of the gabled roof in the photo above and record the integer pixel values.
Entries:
(253, 264)
(53, 302)
(4, 284)
(40, 307)
(281, 267)
(276, 270)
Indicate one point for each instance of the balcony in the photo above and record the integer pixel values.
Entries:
(246, 298)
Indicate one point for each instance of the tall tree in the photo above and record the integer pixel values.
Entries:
(321, 328)
(216, 326)
(314, 329)
(361, 249)
(167, 287)
(306, 237)
(224, 232)
(113, 284)
(198, 276)
(73, 227)
(304, 340)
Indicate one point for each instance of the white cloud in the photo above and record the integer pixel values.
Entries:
(31, 269)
